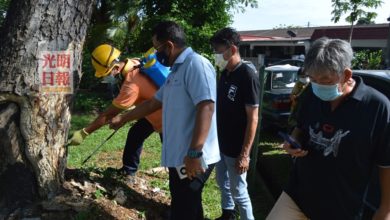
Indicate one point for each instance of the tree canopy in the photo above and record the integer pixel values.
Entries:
(355, 11)
(3, 10)
(127, 25)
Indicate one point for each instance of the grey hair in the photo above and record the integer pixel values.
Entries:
(328, 56)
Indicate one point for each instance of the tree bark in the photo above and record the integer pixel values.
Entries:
(34, 126)
(350, 33)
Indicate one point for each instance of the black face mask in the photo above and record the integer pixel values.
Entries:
(163, 58)
(119, 79)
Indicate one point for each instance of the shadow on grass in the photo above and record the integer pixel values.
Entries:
(273, 164)
(262, 200)
(272, 171)
(145, 205)
(275, 169)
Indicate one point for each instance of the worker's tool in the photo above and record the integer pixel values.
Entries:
(99, 146)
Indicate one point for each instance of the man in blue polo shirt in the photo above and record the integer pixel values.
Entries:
(189, 122)
(343, 127)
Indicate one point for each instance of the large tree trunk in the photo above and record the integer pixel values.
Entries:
(34, 126)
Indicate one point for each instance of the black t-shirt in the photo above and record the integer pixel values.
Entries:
(235, 90)
(344, 147)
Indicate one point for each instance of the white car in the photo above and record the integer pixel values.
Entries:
(278, 84)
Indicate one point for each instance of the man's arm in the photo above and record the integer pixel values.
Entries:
(383, 213)
(103, 119)
(79, 136)
(142, 110)
(252, 117)
(204, 114)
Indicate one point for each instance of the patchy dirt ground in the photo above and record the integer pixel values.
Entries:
(101, 194)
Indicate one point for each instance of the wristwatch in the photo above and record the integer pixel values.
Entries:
(194, 153)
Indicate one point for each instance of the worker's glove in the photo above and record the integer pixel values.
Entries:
(78, 137)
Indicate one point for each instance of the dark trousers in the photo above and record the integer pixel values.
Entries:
(136, 136)
(186, 195)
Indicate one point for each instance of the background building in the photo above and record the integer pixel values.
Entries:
(269, 46)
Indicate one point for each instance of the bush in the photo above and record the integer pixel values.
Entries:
(366, 59)
(90, 103)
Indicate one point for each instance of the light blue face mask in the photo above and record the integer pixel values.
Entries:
(326, 92)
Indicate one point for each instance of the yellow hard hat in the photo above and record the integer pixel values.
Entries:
(102, 58)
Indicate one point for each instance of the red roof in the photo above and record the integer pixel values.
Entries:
(359, 33)
(254, 38)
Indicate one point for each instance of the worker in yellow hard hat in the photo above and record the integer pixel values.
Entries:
(136, 87)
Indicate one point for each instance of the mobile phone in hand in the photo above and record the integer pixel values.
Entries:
(181, 170)
(294, 144)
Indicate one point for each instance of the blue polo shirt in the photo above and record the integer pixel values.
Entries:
(191, 81)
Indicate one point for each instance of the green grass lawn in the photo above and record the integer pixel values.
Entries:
(110, 155)
(274, 164)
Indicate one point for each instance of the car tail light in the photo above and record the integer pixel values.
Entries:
(281, 104)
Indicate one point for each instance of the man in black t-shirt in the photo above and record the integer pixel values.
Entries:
(344, 130)
(237, 117)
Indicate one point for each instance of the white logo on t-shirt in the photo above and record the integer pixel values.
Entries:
(327, 145)
(232, 92)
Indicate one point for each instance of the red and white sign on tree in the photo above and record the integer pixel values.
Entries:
(55, 72)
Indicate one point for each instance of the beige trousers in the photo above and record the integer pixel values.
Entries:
(286, 209)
